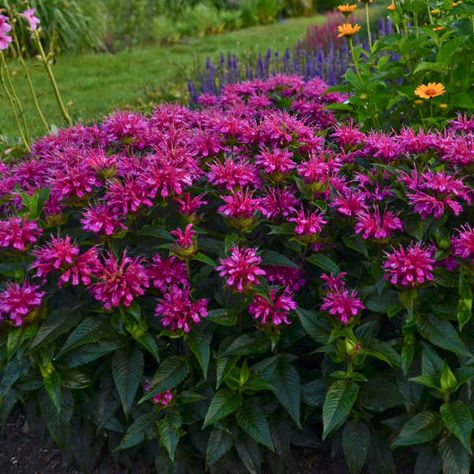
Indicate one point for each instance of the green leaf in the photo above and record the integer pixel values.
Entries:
(431, 362)
(52, 385)
(88, 331)
(271, 257)
(139, 431)
(127, 371)
(383, 351)
(464, 313)
(423, 427)
(170, 373)
(325, 263)
(356, 243)
(252, 420)
(247, 344)
(200, 257)
(200, 347)
(455, 457)
(458, 419)
(57, 323)
(220, 441)
(224, 367)
(441, 333)
(379, 394)
(355, 444)
(429, 66)
(169, 433)
(313, 393)
(223, 317)
(428, 461)
(223, 404)
(339, 401)
(314, 324)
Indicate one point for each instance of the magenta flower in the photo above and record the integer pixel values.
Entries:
(409, 267)
(127, 196)
(84, 268)
(164, 273)
(184, 239)
(334, 282)
(54, 255)
(348, 135)
(463, 243)
(289, 277)
(74, 181)
(188, 205)
(342, 303)
(278, 202)
(178, 312)
(276, 161)
(319, 170)
(18, 233)
(17, 302)
(274, 311)
(232, 174)
(377, 226)
(102, 220)
(309, 224)
(119, 282)
(163, 398)
(240, 205)
(29, 16)
(241, 269)
(349, 202)
(5, 28)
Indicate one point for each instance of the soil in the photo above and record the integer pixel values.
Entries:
(21, 452)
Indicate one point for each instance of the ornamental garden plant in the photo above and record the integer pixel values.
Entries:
(209, 289)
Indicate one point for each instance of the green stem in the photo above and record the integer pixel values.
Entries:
(12, 104)
(415, 20)
(354, 59)
(62, 106)
(367, 20)
(30, 83)
(16, 99)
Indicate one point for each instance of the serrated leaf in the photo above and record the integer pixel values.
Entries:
(355, 445)
(454, 456)
(423, 427)
(441, 333)
(220, 441)
(223, 317)
(458, 419)
(428, 461)
(200, 257)
(270, 257)
(57, 323)
(200, 347)
(247, 344)
(252, 420)
(315, 325)
(138, 431)
(431, 362)
(313, 393)
(127, 371)
(325, 263)
(86, 332)
(170, 373)
(224, 367)
(339, 401)
(169, 433)
(464, 310)
(383, 351)
(223, 404)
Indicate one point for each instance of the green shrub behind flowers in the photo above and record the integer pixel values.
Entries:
(209, 289)
(432, 42)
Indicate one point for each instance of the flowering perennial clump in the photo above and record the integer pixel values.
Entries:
(252, 252)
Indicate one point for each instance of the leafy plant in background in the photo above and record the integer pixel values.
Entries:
(209, 289)
(433, 44)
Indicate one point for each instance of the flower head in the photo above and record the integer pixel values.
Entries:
(347, 9)
(273, 311)
(119, 282)
(409, 267)
(342, 303)
(18, 233)
(241, 269)
(30, 16)
(164, 273)
(347, 30)
(289, 277)
(463, 243)
(430, 90)
(184, 239)
(178, 312)
(308, 224)
(5, 28)
(18, 301)
(376, 225)
(102, 220)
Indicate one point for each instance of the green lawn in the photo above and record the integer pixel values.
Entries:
(95, 84)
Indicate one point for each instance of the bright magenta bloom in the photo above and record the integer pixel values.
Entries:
(163, 398)
(164, 273)
(278, 202)
(377, 226)
(342, 303)
(101, 220)
(308, 224)
(18, 233)
(188, 205)
(289, 277)
(184, 239)
(84, 268)
(240, 205)
(463, 243)
(119, 282)
(241, 269)
(17, 302)
(275, 311)
(275, 161)
(5, 28)
(231, 174)
(178, 312)
(409, 267)
(29, 16)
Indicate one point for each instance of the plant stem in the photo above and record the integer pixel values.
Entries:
(12, 104)
(62, 106)
(415, 20)
(354, 59)
(367, 20)
(30, 83)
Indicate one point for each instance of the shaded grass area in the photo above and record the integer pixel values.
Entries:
(95, 84)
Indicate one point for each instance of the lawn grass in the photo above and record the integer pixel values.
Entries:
(95, 84)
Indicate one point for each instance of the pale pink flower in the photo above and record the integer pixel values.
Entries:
(30, 16)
